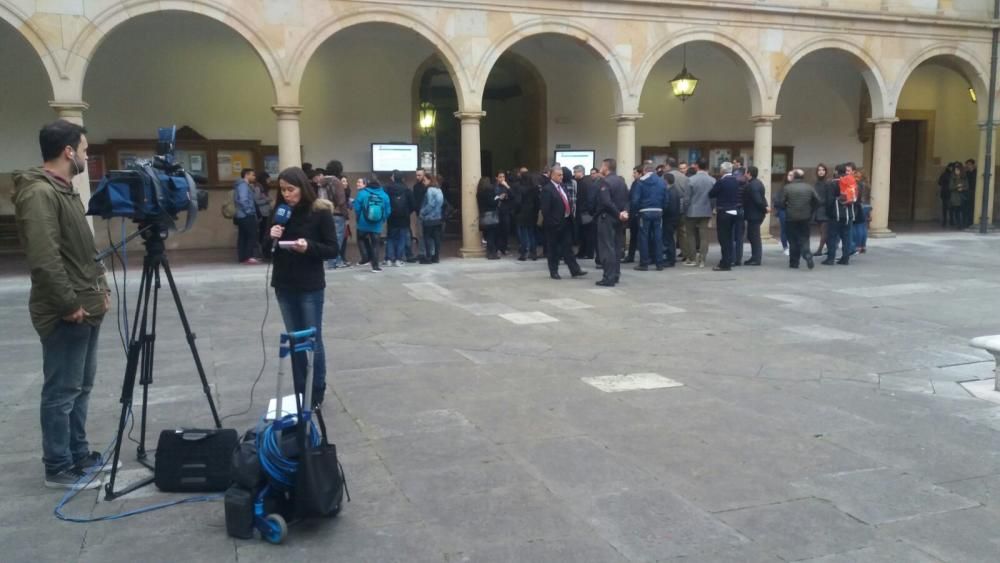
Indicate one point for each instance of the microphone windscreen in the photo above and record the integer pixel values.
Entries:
(282, 214)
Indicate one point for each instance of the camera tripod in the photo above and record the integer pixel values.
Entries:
(141, 350)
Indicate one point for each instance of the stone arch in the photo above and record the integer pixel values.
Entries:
(299, 59)
(24, 26)
(87, 42)
(967, 65)
(580, 32)
(756, 84)
(870, 71)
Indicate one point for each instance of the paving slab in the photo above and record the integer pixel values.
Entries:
(880, 496)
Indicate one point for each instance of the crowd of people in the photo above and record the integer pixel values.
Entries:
(957, 188)
(668, 212)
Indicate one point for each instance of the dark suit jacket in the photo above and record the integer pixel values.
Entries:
(754, 202)
(553, 209)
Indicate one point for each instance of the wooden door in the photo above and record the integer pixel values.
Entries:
(903, 169)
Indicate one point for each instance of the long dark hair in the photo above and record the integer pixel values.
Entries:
(296, 177)
(826, 170)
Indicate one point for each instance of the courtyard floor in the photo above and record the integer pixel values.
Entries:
(765, 414)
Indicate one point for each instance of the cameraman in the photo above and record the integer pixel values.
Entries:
(299, 277)
(69, 297)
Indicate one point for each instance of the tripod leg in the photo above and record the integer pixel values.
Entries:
(135, 350)
(149, 348)
(191, 341)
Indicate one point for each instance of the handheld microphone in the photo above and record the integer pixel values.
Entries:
(281, 216)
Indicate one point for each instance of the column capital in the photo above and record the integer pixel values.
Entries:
(287, 112)
(627, 117)
(69, 106)
(880, 122)
(764, 119)
(470, 116)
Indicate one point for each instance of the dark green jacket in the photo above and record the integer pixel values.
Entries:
(800, 201)
(60, 250)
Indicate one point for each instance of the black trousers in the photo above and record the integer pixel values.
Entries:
(368, 242)
(725, 225)
(633, 236)
(504, 231)
(753, 234)
(610, 246)
(669, 240)
(559, 246)
(798, 242)
(588, 240)
(246, 238)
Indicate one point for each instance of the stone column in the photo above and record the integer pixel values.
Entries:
(981, 170)
(471, 172)
(626, 142)
(289, 141)
(72, 111)
(763, 148)
(881, 159)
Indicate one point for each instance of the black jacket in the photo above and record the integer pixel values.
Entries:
(526, 195)
(586, 196)
(487, 202)
(824, 191)
(552, 206)
(419, 191)
(305, 272)
(400, 205)
(754, 201)
(506, 205)
(612, 196)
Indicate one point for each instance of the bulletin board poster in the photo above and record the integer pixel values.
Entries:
(229, 164)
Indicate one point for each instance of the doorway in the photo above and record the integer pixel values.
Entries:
(907, 139)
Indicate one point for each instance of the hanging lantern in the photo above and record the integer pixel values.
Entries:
(428, 116)
(684, 84)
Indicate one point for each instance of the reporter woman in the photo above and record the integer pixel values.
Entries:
(299, 277)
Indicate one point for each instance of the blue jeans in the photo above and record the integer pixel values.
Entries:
(301, 310)
(526, 238)
(69, 362)
(651, 234)
(784, 229)
(432, 241)
(398, 240)
(340, 224)
(861, 228)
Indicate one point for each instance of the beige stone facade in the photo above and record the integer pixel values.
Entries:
(886, 39)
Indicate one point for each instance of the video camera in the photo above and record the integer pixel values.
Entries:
(151, 191)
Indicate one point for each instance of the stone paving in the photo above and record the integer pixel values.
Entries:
(487, 413)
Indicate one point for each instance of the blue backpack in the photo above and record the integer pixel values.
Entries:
(374, 208)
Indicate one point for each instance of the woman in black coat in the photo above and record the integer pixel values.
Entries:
(299, 276)
(486, 197)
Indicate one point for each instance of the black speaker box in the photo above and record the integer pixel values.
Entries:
(193, 461)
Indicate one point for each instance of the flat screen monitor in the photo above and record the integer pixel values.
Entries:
(569, 159)
(387, 157)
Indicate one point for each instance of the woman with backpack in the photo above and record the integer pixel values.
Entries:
(371, 208)
(299, 277)
(432, 221)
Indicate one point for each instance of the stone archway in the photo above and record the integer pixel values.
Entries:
(931, 99)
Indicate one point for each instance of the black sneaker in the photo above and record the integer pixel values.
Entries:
(72, 478)
(94, 459)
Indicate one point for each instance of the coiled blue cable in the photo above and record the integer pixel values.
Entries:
(280, 469)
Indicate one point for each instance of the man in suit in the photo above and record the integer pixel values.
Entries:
(612, 214)
(754, 211)
(678, 193)
(726, 193)
(557, 221)
(586, 198)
